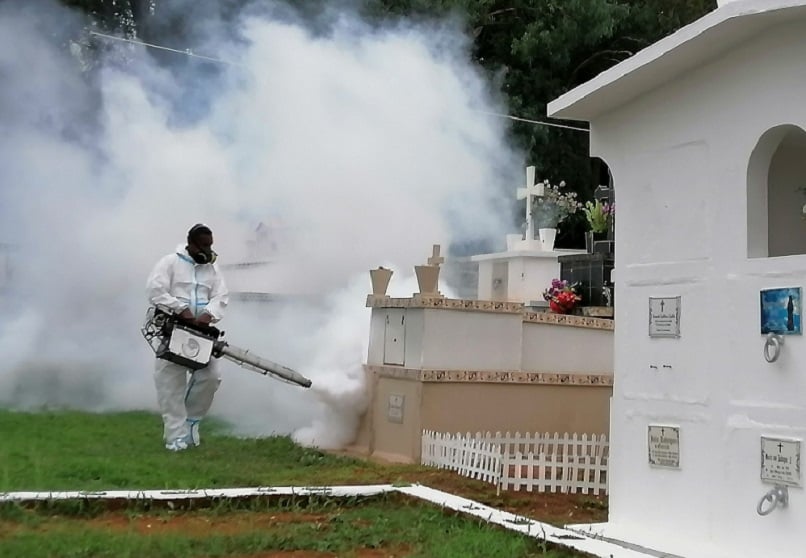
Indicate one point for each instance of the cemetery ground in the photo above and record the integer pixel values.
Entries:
(73, 451)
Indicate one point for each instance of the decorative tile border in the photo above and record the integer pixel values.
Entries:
(568, 320)
(493, 377)
(417, 301)
(395, 372)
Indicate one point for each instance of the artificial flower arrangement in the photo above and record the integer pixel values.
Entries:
(561, 296)
(598, 215)
(554, 206)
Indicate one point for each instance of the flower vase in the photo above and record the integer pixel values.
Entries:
(427, 279)
(558, 308)
(594, 240)
(603, 245)
(380, 280)
(547, 237)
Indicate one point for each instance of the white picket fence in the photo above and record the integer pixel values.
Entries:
(468, 456)
(542, 462)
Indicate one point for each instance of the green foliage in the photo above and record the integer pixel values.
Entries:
(120, 16)
(597, 214)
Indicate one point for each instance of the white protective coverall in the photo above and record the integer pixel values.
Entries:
(178, 282)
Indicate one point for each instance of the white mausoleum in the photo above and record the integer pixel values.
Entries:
(705, 135)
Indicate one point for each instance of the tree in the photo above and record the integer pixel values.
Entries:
(114, 16)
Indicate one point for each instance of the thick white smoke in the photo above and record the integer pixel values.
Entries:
(369, 146)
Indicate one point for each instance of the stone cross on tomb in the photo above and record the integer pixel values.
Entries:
(435, 258)
(528, 193)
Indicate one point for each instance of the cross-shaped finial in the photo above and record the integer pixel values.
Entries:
(528, 193)
(435, 258)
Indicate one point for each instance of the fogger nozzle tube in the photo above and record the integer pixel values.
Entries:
(244, 358)
(193, 346)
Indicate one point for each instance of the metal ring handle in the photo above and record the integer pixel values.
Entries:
(774, 341)
(771, 497)
(778, 496)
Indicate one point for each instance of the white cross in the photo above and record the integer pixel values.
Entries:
(528, 193)
(435, 258)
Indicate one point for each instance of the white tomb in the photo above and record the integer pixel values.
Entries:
(704, 135)
(525, 269)
(518, 275)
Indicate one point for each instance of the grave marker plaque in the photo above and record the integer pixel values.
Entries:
(395, 409)
(664, 317)
(780, 461)
(664, 446)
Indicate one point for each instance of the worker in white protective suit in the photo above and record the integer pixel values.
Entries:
(190, 284)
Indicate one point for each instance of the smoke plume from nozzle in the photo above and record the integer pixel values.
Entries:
(316, 157)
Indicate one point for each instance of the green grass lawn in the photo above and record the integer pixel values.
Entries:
(388, 525)
(80, 451)
(51, 451)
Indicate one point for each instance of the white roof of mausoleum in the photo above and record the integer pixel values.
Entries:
(691, 46)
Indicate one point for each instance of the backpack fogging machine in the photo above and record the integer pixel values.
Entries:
(194, 346)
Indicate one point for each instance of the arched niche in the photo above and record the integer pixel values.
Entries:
(604, 190)
(600, 173)
(776, 193)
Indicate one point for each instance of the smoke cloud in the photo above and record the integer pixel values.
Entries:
(353, 145)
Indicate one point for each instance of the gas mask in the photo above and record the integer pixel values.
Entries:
(204, 256)
(201, 254)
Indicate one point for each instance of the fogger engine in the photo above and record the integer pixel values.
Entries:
(194, 346)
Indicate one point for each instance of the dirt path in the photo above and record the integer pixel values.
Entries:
(557, 509)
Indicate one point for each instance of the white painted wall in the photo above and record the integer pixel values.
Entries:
(460, 340)
(529, 277)
(489, 341)
(484, 289)
(415, 333)
(679, 156)
(573, 350)
(450, 339)
(377, 325)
